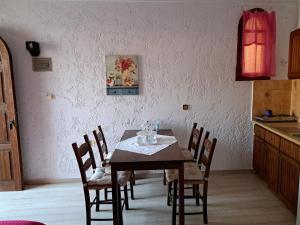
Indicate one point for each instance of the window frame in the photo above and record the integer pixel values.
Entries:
(238, 72)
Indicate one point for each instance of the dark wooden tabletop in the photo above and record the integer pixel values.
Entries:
(171, 153)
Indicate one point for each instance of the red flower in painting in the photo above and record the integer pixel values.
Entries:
(123, 64)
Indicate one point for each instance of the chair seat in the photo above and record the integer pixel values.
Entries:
(103, 180)
(192, 174)
(187, 154)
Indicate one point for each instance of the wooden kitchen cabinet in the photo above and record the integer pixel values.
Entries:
(271, 170)
(288, 182)
(294, 55)
(277, 161)
(259, 156)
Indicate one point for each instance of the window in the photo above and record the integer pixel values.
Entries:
(256, 45)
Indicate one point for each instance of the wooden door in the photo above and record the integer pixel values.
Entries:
(288, 182)
(259, 156)
(272, 157)
(10, 154)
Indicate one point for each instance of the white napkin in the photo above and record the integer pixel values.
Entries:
(131, 145)
(97, 175)
(109, 155)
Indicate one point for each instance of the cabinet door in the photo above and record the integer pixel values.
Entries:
(272, 156)
(259, 156)
(294, 55)
(288, 182)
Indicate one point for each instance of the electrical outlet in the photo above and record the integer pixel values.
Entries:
(185, 107)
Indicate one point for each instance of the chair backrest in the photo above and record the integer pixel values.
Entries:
(81, 152)
(195, 139)
(206, 154)
(101, 143)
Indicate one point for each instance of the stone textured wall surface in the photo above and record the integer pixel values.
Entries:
(187, 54)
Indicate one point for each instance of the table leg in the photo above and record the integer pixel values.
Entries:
(120, 212)
(115, 196)
(181, 194)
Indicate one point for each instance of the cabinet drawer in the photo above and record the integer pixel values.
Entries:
(290, 149)
(259, 131)
(272, 139)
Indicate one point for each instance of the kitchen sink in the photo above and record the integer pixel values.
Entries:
(295, 130)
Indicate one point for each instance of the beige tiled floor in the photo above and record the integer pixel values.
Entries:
(235, 199)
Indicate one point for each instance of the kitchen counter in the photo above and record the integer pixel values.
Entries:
(287, 130)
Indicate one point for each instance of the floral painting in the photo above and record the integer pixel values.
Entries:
(122, 75)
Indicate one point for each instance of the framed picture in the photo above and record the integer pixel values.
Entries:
(122, 76)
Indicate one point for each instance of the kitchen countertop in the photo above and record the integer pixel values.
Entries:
(287, 130)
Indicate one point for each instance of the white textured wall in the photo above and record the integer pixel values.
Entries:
(187, 55)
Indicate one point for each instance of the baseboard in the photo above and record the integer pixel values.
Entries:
(51, 181)
(224, 172)
(138, 174)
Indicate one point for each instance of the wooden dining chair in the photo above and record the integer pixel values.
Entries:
(172, 174)
(99, 180)
(195, 174)
(105, 156)
(191, 152)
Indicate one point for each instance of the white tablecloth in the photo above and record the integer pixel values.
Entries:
(131, 145)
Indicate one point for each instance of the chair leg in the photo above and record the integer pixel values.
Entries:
(126, 197)
(205, 210)
(133, 177)
(204, 200)
(197, 195)
(131, 190)
(120, 211)
(169, 193)
(87, 206)
(174, 202)
(165, 180)
(97, 201)
(105, 194)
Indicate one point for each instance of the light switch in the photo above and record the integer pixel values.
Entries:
(50, 96)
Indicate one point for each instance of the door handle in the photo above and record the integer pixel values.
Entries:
(11, 123)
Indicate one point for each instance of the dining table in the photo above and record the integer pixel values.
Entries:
(170, 157)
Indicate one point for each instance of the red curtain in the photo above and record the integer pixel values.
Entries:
(258, 44)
